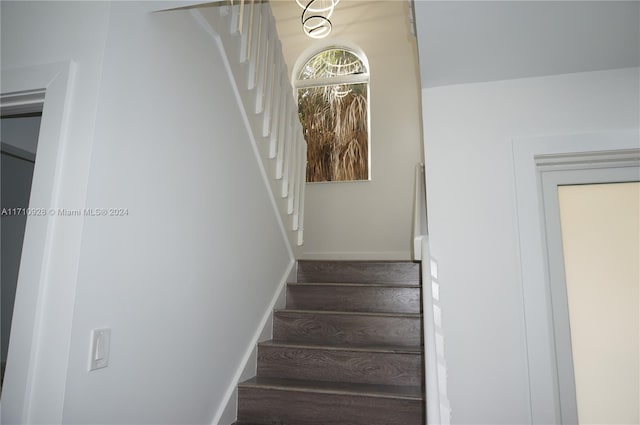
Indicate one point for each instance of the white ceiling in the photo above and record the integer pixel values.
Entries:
(356, 23)
(475, 41)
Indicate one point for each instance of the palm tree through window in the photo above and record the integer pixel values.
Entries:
(333, 91)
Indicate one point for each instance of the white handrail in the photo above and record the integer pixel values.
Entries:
(430, 352)
(419, 213)
(437, 404)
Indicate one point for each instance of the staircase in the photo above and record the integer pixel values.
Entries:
(347, 350)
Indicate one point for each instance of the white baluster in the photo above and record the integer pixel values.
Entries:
(241, 17)
(234, 22)
(265, 58)
(300, 176)
(287, 155)
(274, 69)
(254, 46)
(246, 30)
(282, 131)
(293, 173)
(301, 199)
(278, 100)
(224, 10)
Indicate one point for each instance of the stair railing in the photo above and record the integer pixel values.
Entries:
(437, 403)
(246, 34)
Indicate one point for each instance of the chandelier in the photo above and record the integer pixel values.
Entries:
(315, 17)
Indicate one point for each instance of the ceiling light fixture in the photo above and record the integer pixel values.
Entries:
(315, 17)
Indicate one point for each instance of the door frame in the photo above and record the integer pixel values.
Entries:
(618, 167)
(35, 377)
(550, 392)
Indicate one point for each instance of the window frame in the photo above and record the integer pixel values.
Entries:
(362, 78)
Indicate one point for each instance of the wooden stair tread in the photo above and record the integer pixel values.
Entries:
(395, 349)
(350, 313)
(344, 364)
(406, 272)
(354, 328)
(338, 388)
(354, 297)
(356, 284)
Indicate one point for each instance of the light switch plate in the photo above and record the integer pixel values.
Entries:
(99, 352)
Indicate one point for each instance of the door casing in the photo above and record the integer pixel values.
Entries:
(608, 168)
(35, 377)
(539, 164)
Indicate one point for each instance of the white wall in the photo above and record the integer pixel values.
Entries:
(185, 278)
(468, 133)
(371, 219)
(35, 34)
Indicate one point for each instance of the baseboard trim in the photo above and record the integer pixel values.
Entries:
(264, 330)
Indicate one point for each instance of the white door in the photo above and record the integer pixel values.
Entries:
(592, 226)
(600, 226)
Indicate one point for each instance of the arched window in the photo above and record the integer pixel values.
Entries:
(333, 104)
